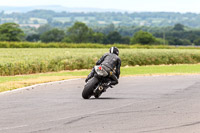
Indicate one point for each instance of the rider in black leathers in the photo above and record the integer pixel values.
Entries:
(112, 63)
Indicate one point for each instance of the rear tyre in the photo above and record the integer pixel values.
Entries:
(89, 87)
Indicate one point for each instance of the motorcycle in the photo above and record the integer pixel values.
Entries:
(97, 84)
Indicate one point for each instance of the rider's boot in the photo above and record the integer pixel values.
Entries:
(106, 85)
(111, 83)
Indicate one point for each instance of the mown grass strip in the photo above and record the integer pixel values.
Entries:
(13, 82)
(162, 69)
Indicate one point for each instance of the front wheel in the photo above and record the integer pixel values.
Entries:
(89, 87)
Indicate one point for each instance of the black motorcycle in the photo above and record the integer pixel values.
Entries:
(97, 84)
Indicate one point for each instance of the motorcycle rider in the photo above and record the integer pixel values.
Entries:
(111, 63)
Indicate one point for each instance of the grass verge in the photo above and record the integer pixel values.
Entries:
(13, 82)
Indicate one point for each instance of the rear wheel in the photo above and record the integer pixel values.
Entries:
(89, 87)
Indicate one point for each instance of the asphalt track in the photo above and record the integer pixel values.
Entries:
(144, 104)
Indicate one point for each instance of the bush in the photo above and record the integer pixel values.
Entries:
(197, 42)
(142, 37)
(54, 35)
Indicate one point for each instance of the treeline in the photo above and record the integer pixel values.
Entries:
(180, 36)
(81, 33)
(78, 33)
(66, 19)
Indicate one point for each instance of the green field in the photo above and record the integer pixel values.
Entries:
(40, 60)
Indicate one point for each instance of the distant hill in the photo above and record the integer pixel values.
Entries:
(58, 16)
(55, 8)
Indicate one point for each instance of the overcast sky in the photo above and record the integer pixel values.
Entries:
(129, 5)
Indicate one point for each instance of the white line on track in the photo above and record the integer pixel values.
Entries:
(7, 128)
(28, 87)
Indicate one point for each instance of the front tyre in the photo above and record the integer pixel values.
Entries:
(89, 87)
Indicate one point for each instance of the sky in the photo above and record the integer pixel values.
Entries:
(128, 5)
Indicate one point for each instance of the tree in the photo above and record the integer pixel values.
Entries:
(113, 37)
(11, 32)
(79, 33)
(108, 29)
(197, 42)
(44, 28)
(33, 38)
(186, 42)
(142, 37)
(66, 39)
(97, 37)
(125, 40)
(178, 27)
(177, 41)
(54, 35)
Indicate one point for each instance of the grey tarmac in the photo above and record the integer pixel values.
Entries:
(140, 104)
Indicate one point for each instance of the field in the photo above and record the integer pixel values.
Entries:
(40, 60)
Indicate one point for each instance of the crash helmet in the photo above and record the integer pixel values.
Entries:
(114, 50)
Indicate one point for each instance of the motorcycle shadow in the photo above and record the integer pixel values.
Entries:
(105, 98)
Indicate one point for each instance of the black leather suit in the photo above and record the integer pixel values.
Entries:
(111, 61)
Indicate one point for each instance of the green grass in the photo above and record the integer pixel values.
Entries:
(13, 82)
(4, 79)
(162, 69)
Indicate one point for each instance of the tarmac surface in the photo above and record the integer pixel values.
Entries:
(143, 104)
